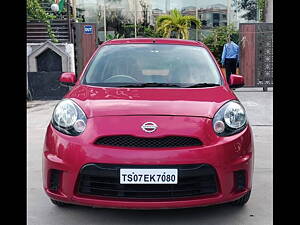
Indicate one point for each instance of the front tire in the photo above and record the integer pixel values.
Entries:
(242, 201)
(58, 203)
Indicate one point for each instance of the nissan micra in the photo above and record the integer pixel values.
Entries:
(149, 124)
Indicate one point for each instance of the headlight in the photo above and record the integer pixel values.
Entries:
(69, 118)
(230, 119)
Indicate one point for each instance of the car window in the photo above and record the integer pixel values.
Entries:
(115, 65)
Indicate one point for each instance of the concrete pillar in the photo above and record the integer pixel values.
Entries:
(269, 11)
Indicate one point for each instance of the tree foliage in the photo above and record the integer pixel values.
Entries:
(114, 36)
(36, 12)
(177, 23)
(250, 6)
(115, 20)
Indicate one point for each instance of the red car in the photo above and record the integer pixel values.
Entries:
(149, 124)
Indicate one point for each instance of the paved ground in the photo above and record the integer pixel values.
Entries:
(258, 211)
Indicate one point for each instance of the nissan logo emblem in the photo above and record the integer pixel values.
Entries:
(149, 127)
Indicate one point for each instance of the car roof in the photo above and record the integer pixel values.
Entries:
(153, 40)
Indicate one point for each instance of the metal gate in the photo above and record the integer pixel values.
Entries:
(264, 55)
(256, 54)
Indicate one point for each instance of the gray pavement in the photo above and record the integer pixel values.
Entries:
(258, 211)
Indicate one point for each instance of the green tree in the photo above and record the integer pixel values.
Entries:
(148, 31)
(218, 38)
(36, 12)
(175, 22)
(250, 6)
(114, 36)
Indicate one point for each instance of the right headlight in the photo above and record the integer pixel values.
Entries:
(69, 118)
(230, 119)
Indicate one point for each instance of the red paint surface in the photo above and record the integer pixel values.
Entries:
(236, 80)
(68, 78)
(101, 101)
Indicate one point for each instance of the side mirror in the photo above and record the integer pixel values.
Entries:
(68, 79)
(236, 81)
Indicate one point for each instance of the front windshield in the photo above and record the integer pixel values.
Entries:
(156, 64)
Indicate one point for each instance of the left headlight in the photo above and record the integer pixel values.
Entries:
(230, 119)
(69, 118)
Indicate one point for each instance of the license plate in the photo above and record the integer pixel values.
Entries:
(148, 176)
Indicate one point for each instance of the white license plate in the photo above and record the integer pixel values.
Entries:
(148, 176)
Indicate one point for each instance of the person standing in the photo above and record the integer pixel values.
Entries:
(230, 57)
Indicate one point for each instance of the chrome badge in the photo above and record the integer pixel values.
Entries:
(149, 127)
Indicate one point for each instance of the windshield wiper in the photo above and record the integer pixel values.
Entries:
(202, 85)
(154, 84)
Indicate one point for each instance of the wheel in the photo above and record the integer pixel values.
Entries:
(58, 203)
(242, 201)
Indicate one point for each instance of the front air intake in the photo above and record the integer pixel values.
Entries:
(54, 180)
(240, 180)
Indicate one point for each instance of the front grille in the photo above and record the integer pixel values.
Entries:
(139, 142)
(104, 180)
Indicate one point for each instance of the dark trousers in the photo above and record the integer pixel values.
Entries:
(230, 67)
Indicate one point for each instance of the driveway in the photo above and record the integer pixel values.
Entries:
(258, 211)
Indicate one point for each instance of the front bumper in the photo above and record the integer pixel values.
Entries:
(225, 154)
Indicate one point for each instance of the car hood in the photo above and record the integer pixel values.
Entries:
(108, 101)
